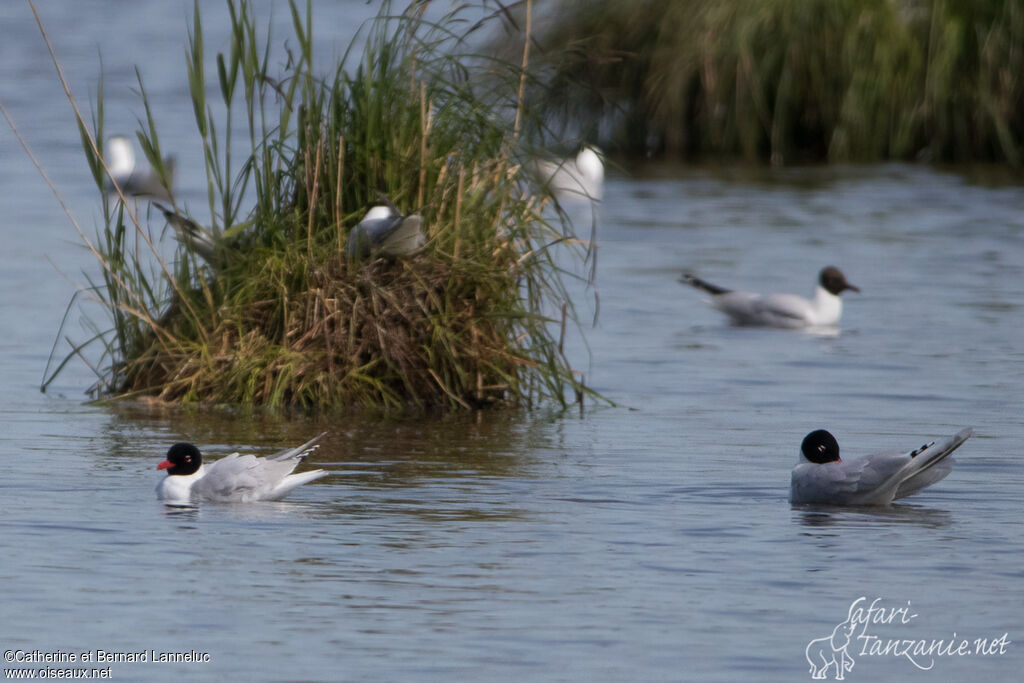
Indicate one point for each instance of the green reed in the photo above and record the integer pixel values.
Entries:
(281, 316)
(790, 80)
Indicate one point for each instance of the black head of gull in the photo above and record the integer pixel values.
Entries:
(182, 459)
(820, 447)
(833, 281)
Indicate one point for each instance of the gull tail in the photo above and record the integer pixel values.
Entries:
(930, 464)
(293, 481)
(191, 234)
(696, 282)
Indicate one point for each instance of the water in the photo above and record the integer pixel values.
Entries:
(650, 541)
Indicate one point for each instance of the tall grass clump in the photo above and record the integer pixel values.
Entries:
(790, 80)
(277, 313)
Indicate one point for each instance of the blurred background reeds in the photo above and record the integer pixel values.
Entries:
(786, 81)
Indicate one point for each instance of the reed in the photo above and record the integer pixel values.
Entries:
(280, 315)
(788, 80)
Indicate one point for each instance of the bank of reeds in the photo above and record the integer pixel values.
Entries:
(789, 80)
(280, 315)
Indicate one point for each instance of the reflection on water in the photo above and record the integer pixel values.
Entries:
(838, 517)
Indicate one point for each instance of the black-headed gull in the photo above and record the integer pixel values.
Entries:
(780, 310)
(120, 159)
(233, 479)
(384, 230)
(579, 177)
(821, 476)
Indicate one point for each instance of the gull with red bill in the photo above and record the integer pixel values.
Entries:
(234, 479)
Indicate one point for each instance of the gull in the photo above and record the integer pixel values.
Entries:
(233, 479)
(384, 230)
(191, 234)
(577, 177)
(821, 476)
(780, 310)
(120, 159)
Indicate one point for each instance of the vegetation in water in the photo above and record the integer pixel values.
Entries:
(266, 306)
(788, 80)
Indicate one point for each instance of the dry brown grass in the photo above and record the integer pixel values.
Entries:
(281, 316)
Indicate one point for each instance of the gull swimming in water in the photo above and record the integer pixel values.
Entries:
(384, 230)
(120, 159)
(821, 476)
(579, 177)
(233, 479)
(780, 310)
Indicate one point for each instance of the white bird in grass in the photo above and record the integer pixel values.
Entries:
(822, 477)
(780, 310)
(191, 234)
(233, 479)
(579, 177)
(384, 230)
(120, 159)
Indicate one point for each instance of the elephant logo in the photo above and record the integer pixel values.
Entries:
(831, 651)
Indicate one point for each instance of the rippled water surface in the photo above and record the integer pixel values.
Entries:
(649, 541)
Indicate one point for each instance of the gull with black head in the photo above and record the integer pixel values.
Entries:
(234, 479)
(822, 477)
(780, 310)
(385, 231)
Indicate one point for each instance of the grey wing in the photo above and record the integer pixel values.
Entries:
(240, 478)
(880, 468)
(145, 183)
(369, 234)
(246, 477)
(925, 478)
(746, 308)
(735, 304)
(149, 183)
(836, 483)
(405, 239)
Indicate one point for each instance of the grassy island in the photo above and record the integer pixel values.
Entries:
(267, 306)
